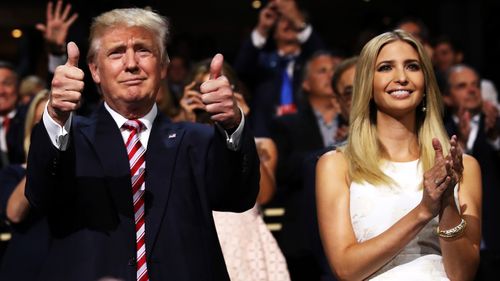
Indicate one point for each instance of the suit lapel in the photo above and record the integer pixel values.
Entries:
(106, 139)
(161, 156)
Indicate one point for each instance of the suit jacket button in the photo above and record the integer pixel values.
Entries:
(132, 262)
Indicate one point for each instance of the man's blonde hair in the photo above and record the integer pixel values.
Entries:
(129, 17)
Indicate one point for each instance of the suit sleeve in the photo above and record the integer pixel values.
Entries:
(233, 175)
(48, 172)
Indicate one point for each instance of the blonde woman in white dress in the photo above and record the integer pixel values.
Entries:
(399, 201)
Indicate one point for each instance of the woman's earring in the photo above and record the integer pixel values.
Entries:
(424, 108)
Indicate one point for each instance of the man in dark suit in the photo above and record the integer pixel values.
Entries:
(270, 62)
(11, 131)
(129, 195)
(312, 128)
(477, 126)
(11, 117)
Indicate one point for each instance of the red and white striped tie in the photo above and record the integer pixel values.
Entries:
(137, 162)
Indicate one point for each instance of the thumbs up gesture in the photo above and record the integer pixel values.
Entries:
(66, 88)
(218, 97)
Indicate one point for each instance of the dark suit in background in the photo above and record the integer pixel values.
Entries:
(296, 136)
(310, 218)
(28, 247)
(260, 70)
(489, 161)
(15, 138)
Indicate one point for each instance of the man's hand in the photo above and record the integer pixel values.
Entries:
(56, 26)
(67, 86)
(289, 10)
(267, 18)
(219, 98)
(490, 121)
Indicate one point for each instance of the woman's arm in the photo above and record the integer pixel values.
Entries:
(17, 205)
(268, 156)
(349, 259)
(461, 254)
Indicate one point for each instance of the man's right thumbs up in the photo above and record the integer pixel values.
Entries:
(66, 88)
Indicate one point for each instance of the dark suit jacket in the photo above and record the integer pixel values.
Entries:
(489, 161)
(28, 247)
(310, 218)
(15, 138)
(86, 193)
(260, 71)
(296, 135)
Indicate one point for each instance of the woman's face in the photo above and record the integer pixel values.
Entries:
(398, 81)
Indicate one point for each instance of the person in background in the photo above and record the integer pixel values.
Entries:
(11, 117)
(448, 53)
(399, 201)
(477, 126)
(128, 194)
(29, 87)
(250, 250)
(342, 84)
(418, 29)
(311, 128)
(29, 243)
(271, 61)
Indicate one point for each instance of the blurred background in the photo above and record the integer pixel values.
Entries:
(201, 28)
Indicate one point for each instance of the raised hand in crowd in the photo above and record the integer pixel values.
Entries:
(191, 101)
(290, 10)
(55, 29)
(267, 19)
(490, 121)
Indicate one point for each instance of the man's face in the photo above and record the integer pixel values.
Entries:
(464, 87)
(318, 80)
(128, 68)
(285, 31)
(8, 90)
(444, 57)
(413, 29)
(344, 86)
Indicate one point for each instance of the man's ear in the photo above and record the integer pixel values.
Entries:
(448, 100)
(305, 86)
(164, 70)
(94, 70)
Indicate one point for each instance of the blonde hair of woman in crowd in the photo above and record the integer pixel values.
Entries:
(379, 197)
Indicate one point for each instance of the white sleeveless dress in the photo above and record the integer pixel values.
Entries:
(375, 209)
(250, 250)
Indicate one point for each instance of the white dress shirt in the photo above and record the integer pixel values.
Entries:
(59, 135)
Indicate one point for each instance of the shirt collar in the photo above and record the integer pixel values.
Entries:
(10, 115)
(474, 119)
(147, 119)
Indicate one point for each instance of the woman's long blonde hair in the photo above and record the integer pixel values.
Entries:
(363, 150)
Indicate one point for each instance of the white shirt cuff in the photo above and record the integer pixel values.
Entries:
(233, 142)
(55, 61)
(495, 143)
(258, 40)
(59, 136)
(304, 35)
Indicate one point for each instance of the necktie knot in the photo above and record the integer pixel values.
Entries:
(133, 125)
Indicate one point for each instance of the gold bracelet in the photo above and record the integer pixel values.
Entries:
(452, 232)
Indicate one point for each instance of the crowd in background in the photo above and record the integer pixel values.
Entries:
(295, 92)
